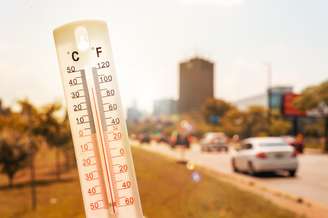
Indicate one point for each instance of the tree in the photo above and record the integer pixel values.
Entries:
(55, 132)
(255, 124)
(314, 129)
(65, 138)
(316, 98)
(30, 125)
(215, 108)
(279, 125)
(233, 122)
(13, 153)
(313, 97)
(17, 139)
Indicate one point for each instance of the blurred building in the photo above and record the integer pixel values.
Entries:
(165, 107)
(259, 100)
(133, 113)
(196, 84)
(275, 102)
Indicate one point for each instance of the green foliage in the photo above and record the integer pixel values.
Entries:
(29, 118)
(314, 129)
(18, 139)
(312, 97)
(280, 127)
(233, 122)
(200, 125)
(14, 152)
(50, 126)
(56, 132)
(249, 123)
(316, 97)
(24, 131)
(215, 107)
(65, 138)
(255, 122)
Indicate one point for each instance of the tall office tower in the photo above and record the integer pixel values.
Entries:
(196, 84)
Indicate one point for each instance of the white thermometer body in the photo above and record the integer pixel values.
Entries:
(100, 138)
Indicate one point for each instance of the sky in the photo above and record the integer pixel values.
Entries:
(150, 37)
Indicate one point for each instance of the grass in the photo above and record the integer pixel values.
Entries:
(166, 189)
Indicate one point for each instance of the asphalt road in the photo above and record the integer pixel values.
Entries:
(311, 181)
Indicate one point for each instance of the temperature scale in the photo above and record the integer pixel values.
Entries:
(100, 138)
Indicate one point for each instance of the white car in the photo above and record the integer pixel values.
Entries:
(265, 154)
(214, 141)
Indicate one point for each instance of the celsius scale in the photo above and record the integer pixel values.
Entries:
(100, 138)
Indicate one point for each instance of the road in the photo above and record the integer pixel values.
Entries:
(311, 181)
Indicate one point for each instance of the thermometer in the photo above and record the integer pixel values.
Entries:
(104, 160)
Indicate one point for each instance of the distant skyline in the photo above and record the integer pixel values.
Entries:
(150, 38)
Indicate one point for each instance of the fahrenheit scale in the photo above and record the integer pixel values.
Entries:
(100, 138)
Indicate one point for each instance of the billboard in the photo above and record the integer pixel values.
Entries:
(288, 108)
(275, 96)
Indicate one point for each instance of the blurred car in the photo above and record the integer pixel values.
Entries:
(214, 141)
(297, 143)
(160, 138)
(265, 154)
(164, 139)
(144, 138)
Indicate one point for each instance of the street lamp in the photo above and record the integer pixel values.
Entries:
(269, 91)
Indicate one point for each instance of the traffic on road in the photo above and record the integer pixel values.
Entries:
(276, 165)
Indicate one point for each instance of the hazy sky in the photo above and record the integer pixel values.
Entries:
(150, 37)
